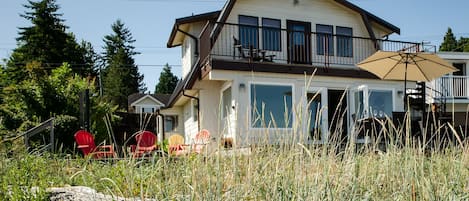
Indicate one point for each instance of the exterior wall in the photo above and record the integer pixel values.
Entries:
(241, 82)
(190, 126)
(209, 94)
(317, 12)
(189, 46)
(314, 12)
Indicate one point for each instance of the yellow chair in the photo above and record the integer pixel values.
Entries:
(176, 145)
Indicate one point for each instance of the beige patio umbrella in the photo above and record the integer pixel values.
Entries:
(416, 66)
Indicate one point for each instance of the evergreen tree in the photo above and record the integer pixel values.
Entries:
(46, 42)
(167, 81)
(449, 42)
(120, 74)
(463, 44)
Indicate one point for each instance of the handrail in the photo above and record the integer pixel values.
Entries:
(315, 33)
(38, 129)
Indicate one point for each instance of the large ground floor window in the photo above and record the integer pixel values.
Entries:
(271, 106)
(373, 103)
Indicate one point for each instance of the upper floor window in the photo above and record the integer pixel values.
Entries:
(271, 34)
(325, 40)
(248, 31)
(344, 41)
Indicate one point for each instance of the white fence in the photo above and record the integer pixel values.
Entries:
(451, 86)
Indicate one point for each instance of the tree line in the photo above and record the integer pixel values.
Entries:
(49, 69)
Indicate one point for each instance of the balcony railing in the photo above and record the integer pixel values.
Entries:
(451, 86)
(293, 46)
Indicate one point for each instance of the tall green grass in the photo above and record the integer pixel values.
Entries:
(281, 172)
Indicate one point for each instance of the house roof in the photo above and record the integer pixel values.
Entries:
(187, 20)
(136, 97)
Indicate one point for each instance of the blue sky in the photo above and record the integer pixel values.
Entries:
(150, 22)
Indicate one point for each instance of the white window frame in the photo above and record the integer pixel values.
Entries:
(366, 96)
(293, 120)
(324, 114)
(141, 107)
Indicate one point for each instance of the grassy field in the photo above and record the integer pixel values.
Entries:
(293, 172)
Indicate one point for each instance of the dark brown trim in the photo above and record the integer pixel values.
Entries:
(191, 19)
(367, 23)
(222, 18)
(292, 57)
(266, 67)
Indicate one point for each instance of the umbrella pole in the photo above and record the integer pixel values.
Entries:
(405, 88)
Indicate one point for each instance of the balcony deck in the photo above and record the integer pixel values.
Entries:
(451, 87)
(241, 43)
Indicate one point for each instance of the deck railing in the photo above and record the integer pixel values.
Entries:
(297, 47)
(452, 86)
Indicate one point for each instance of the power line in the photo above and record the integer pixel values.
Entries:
(83, 64)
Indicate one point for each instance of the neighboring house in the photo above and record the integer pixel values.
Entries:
(247, 71)
(451, 92)
(168, 121)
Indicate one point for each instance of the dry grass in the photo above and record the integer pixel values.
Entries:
(293, 172)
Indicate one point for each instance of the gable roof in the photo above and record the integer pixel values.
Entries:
(159, 98)
(187, 20)
(229, 6)
(222, 16)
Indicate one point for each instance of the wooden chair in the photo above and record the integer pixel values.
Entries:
(146, 143)
(85, 142)
(176, 146)
(202, 139)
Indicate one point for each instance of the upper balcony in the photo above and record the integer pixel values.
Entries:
(454, 87)
(294, 45)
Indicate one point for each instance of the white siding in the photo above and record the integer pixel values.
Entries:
(315, 11)
(210, 106)
(241, 95)
(189, 47)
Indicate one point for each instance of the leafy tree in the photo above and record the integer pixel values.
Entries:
(37, 99)
(120, 74)
(449, 42)
(45, 41)
(167, 81)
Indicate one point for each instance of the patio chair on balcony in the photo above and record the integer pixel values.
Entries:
(250, 53)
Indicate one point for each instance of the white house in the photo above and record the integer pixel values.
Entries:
(452, 91)
(167, 119)
(248, 71)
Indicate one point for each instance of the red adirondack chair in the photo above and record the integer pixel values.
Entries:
(85, 142)
(146, 142)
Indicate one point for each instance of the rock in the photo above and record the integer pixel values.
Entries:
(81, 193)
